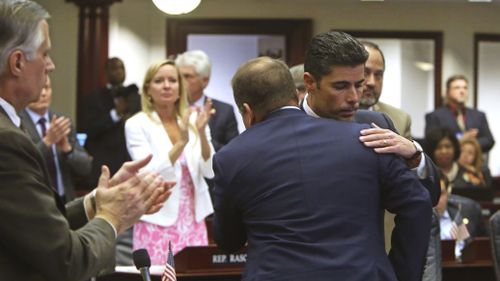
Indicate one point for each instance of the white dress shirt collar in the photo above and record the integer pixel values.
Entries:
(308, 109)
(35, 117)
(11, 112)
(289, 107)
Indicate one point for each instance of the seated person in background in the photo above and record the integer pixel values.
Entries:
(442, 146)
(470, 212)
(471, 156)
(181, 150)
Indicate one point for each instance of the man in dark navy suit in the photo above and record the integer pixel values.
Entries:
(463, 121)
(334, 96)
(306, 193)
(337, 95)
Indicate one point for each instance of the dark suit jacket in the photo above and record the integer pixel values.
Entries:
(76, 163)
(444, 117)
(223, 126)
(431, 182)
(106, 138)
(36, 242)
(306, 195)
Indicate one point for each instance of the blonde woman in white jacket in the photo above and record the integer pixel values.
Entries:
(179, 139)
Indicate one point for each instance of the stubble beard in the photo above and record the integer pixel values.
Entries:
(366, 103)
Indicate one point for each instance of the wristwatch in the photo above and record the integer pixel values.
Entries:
(417, 153)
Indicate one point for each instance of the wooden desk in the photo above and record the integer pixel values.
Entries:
(180, 277)
(476, 271)
(208, 264)
(476, 264)
(452, 271)
(197, 264)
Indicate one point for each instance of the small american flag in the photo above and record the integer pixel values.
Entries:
(459, 226)
(169, 272)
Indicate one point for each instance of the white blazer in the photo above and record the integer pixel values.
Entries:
(144, 136)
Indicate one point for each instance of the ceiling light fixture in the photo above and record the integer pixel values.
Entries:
(176, 7)
(424, 66)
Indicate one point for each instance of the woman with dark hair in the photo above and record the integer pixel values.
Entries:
(443, 147)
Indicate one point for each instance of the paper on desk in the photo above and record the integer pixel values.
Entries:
(153, 270)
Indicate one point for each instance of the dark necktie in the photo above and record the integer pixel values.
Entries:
(461, 119)
(51, 164)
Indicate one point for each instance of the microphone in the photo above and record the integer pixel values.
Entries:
(142, 263)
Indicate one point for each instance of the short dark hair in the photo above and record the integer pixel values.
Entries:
(372, 45)
(333, 48)
(433, 137)
(111, 61)
(454, 78)
(265, 84)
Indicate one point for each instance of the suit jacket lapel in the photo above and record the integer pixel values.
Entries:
(472, 119)
(29, 126)
(29, 130)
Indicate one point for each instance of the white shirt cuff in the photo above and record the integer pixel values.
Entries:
(420, 169)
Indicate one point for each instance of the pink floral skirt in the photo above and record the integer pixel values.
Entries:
(185, 232)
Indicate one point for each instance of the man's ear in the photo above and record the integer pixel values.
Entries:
(248, 115)
(16, 62)
(309, 82)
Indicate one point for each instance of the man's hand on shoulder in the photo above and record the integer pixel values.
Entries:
(387, 141)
